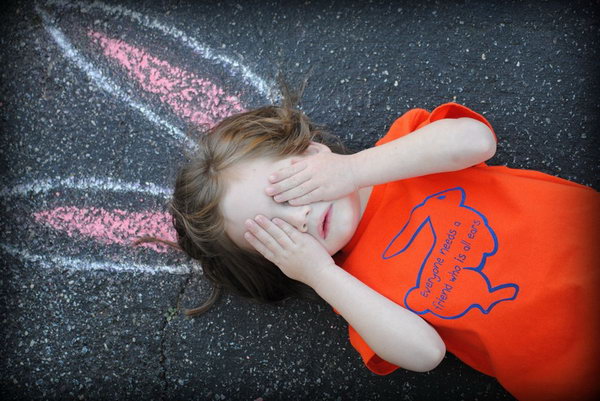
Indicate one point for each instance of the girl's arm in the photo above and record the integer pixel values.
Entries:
(442, 146)
(393, 332)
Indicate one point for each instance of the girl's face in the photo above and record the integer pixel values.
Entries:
(245, 197)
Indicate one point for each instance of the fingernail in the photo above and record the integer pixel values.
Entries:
(277, 198)
(248, 223)
(272, 178)
(270, 190)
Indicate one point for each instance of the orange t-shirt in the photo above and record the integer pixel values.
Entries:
(500, 261)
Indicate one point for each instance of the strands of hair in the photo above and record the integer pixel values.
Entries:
(277, 131)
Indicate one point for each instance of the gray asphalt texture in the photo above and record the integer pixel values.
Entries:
(530, 67)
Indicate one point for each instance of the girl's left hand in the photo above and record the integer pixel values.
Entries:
(299, 255)
(323, 176)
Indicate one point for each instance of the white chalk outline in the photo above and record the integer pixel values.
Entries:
(49, 261)
(92, 184)
(105, 83)
(69, 51)
(86, 184)
(265, 88)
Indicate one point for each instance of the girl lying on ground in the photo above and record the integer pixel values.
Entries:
(418, 243)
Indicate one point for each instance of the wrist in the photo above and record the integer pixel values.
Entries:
(317, 275)
(356, 160)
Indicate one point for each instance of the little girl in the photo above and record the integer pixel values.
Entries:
(416, 242)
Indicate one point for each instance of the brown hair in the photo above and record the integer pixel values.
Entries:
(276, 131)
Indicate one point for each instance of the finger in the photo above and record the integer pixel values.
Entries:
(259, 246)
(287, 184)
(311, 197)
(263, 236)
(286, 172)
(274, 231)
(296, 192)
(290, 230)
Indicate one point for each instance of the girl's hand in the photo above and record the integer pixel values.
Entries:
(320, 177)
(299, 255)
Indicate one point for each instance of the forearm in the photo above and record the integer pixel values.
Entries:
(442, 146)
(394, 333)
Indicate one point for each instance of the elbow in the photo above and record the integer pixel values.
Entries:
(423, 359)
(432, 358)
(480, 139)
(437, 355)
(488, 148)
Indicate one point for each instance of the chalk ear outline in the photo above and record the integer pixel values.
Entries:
(235, 69)
(74, 55)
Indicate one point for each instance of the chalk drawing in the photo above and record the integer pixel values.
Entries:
(116, 227)
(191, 97)
(51, 261)
(113, 229)
(266, 88)
(93, 184)
(106, 83)
(110, 226)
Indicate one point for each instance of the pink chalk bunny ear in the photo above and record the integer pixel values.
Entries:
(191, 97)
(114, 226)
(148, 81)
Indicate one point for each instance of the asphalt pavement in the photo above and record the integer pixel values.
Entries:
(95, 101)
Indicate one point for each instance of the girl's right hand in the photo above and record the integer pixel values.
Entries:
(323, 176)
(299, 255)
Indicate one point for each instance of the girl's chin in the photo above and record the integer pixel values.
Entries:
(332, 251)
(333, 248)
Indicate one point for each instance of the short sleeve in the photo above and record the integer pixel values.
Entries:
(405, 124)
(414, 119)
(455, 110)
(373, 362)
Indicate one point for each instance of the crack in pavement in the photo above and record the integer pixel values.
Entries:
(168, 316)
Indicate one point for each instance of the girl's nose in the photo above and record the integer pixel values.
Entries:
(298, 217)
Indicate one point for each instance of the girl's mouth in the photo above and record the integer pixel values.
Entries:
(326, 220)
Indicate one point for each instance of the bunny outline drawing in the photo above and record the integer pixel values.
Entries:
(450, 280)
(128, 56)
